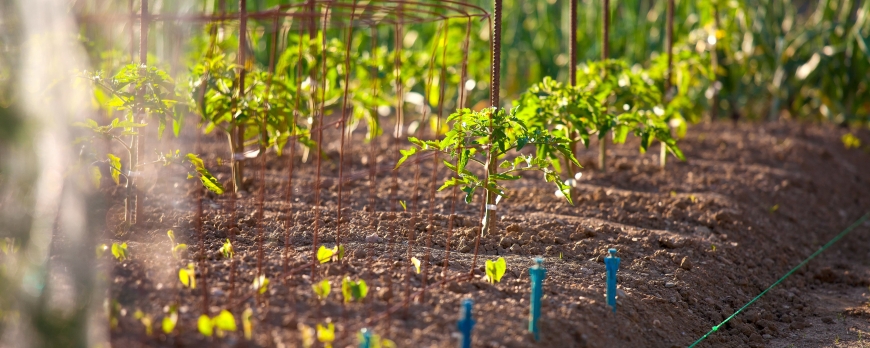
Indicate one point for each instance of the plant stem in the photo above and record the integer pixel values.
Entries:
(663, 156)
(602, 154)
(234, 149)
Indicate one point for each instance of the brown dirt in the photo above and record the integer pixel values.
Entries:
(715, 211)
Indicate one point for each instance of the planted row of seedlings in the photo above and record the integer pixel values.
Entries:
(315, 83)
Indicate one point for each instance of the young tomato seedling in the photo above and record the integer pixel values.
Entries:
(354, 290)
(494, 139)
(495, 270)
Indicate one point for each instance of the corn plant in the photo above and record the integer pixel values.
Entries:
(494, 140)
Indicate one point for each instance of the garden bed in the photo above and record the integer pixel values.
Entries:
(697, 241)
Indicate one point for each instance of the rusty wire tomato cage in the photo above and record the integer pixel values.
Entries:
(314, 17)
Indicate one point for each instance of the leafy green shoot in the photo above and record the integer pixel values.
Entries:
(227, 250)
(120, 252)
(416, 262)
(495, 270)
(170, 320)
(321, 289)
(354, 290)
(326, 334)
(325, 255)
(187, 276)
(208, 181)
(247, 322)
(177, 249)
(850, 141)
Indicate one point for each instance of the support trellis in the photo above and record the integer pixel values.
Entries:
(325, 17)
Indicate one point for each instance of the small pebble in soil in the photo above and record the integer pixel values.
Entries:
(670, 285)
(686, 264)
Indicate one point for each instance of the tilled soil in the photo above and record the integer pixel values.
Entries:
(697, 241)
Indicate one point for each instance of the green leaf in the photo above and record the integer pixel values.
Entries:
(208, 181)
(187, 276)
(225, 321)
(463, 160)
(322, 289)
(469, 193)
(326, 334)
(495, 270)
(404, 206)
(169, 322)
(178, 248)
(119, 251)
(205, 325)
(620, 134)
(324, 254)
(115, 168)
(499, 176)
(405, 155)
(247, 323)
(353, 291)
(416, 263)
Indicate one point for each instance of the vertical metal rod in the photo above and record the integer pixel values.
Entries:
(495, 77)
(343, 123)
(666, 94)
(394, 187)
(412, 234)
(605, 54)
(264, 141)
(714, 60)
(234, 149)
(290, 221)
(139, 143)
(373, 158)
(317, 155)
(489, 218)
(572, 45)
(430, 226)
(243, 63)
(461, 101)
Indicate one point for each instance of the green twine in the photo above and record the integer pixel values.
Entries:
(804, 262)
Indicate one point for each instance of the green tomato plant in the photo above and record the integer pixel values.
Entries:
(630, 102)
(134, 90)
(493, 139)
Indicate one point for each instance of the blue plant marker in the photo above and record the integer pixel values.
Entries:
(612, 264)
(466, 324)
(366, 340)
(537, 273)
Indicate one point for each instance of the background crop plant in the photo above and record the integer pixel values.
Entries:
(493, 140)
(631, 104)
(134, 90)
